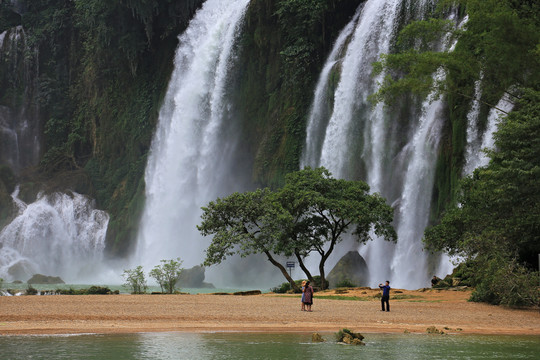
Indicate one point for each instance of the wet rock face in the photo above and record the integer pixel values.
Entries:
(193, 278)
(44, 279)
(20, 123)
(351, 267)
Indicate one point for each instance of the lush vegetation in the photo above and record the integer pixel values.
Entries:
(284, 44)
(493, 222)
(135, 280)
(167, 274)
(309, 215)
(496, 226)
(103, 70)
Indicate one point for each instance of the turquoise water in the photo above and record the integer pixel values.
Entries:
(120, 288)
(150, 346)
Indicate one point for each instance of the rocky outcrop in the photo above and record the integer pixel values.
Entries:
(349, 337)
(44, 279)
(352, 268)
(193, 278)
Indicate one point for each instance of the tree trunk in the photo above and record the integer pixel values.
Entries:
(283, 271)
(304, 268)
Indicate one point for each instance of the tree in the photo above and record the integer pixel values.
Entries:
(496, 227)
(167, 274)
(135, 280)
(245, 223)
(310, 214)
(498, 34)
(323, 210)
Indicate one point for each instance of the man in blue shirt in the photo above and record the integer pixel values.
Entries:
(385, 295)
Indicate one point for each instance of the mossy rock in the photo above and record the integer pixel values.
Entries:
(351, 268)
(44, 279)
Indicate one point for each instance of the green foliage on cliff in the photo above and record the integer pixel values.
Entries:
(497, 226)
(497, 44)
(103, 70)
(282, 52)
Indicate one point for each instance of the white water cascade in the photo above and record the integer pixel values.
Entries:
(396, 157)
(20, 126)
(477, 141)
(57, 235)
(192, 152)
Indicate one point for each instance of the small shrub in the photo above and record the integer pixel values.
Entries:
(167, 274)
(135, 280)
(98, 290)
(31, 291)
(282, 289)
(507, 283)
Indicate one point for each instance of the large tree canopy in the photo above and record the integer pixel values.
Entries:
(497, 42)
(496, 227)
(310, 214)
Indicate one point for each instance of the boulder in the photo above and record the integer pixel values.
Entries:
(349, 337)
(316, 337)
(351, 267)
(193, 278)
(44, 279)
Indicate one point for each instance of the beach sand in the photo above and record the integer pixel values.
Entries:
(448, 311)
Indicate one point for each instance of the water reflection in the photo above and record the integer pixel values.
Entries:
(162, 346)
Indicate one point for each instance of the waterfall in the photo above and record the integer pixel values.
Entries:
(58, 235)
(473, 140)
(19, 121)
(192, 153)
(395, 156)
(476, 142)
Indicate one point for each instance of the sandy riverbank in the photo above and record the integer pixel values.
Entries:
(446, 310)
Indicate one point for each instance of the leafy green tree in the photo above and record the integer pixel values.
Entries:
(310, 214)
(499, 211)
(245, 223)
(167, 274)
(498, 34)
(135, 280)
(324, 210)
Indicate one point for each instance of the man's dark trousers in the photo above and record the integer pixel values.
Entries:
(385, 299)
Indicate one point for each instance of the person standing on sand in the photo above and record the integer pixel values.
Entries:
(303, 308)
(308, 296)
(385, 295)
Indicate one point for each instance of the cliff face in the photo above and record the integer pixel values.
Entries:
(88, 78)
(95, 74)
(81, 88)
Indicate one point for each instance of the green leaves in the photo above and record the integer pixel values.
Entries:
(499, 212)
(167, 274)
(497, 35)
(310, 214)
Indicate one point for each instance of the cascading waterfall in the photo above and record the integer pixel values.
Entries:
(19, 124)
(58, 235)
(473, 140)
(476, 141)
(396, 158)
(191, 154)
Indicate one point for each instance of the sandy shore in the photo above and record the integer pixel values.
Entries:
(415, 311)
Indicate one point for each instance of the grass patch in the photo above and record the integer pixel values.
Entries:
(337, 297)
(404, 297)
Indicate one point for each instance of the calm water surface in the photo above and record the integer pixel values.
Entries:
(266, 346)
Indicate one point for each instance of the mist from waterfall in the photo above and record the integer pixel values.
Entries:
(395, 156)
(57, 235)
(193, 150)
